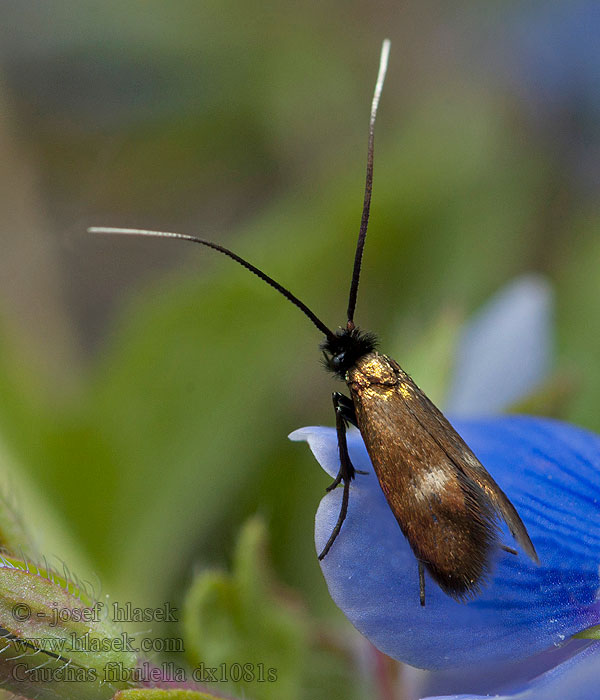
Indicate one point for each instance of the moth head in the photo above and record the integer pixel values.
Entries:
(343, 350)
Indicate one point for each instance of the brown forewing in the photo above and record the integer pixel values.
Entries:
(444, 500)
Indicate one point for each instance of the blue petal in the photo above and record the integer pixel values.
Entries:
(575, 679)
(555, 57)
(551, 473)
(489, 679)
(552, 54)
(515, 323)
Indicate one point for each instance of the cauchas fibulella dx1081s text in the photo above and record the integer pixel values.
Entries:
(447, 505)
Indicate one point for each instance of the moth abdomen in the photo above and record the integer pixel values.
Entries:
(461, 559)
(452, 530)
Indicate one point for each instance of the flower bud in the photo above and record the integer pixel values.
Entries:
(57, 641)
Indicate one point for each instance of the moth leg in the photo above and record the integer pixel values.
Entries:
(422, 583)
(346, 471)
(345, 474)
(345, 407)
(510, 550)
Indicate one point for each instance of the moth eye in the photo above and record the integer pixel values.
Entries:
(338, 360)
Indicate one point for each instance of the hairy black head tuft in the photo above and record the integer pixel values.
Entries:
(345, 349)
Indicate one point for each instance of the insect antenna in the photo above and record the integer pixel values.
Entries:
(364, 222)
(221, 249)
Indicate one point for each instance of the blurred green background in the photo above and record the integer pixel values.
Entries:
(147, 387)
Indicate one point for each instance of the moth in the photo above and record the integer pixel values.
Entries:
(447, 505)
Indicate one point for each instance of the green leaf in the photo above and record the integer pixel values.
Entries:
(160, 694)
(429, 358)
(242, 622)
(589, 633)
(578, 290)
(29, 522)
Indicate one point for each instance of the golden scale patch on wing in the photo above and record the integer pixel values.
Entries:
(404, 389)
(373, 377)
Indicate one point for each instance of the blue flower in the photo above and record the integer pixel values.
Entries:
(555, 54)
(577, 678)
(552, 57)
(548, 469)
